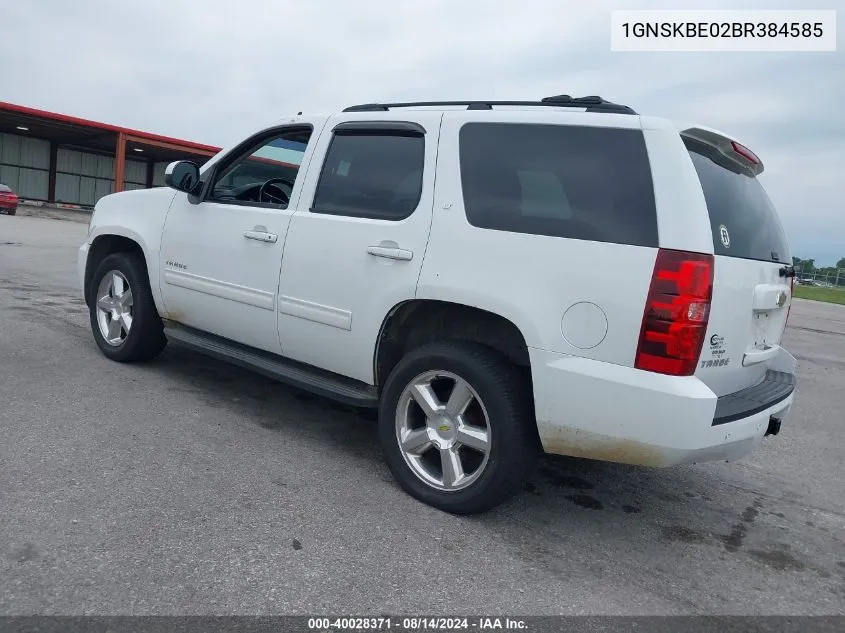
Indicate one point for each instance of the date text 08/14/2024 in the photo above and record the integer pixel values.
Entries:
(414, 624)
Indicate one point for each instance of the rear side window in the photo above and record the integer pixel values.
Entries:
(584, 183)
(372, 174)
(743, 220)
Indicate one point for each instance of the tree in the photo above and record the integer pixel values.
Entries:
(804, 266)
(841, 263)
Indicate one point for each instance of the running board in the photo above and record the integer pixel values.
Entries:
(317, 381)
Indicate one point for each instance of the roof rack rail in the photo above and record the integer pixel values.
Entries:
(591, 103)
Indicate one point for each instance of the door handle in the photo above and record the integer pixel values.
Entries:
(390, 252)
(261, 236)
(760, 355)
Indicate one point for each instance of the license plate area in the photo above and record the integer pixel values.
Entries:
(761, 331)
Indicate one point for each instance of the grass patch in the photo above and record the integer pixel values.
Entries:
(829, 295)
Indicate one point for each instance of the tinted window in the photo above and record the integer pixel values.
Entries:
(369, 174)
(577, 182)
(264, 173)
(742, 218)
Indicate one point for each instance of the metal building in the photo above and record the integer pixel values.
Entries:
(50, 157)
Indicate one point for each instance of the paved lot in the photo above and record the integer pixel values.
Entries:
(187, 486)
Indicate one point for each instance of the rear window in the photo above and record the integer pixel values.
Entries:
(586, 183)
(743, 220)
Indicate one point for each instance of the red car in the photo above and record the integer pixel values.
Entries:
(8, 200)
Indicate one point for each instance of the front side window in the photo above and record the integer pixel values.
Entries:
(265, 173)
(373, 174)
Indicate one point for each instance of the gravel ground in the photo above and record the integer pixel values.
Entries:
(186, 486)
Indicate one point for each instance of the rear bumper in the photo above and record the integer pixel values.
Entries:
(596, 410)
(776, 387)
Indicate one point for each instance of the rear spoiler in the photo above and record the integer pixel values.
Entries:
(718, 145)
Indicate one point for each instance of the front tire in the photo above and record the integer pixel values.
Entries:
(124, 318)
(456, 427)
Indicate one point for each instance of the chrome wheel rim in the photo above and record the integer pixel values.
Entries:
(443, 430)
(114, 308)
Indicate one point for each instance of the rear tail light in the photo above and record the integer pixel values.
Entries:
(676, 313)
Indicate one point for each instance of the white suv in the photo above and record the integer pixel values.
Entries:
(498, 278)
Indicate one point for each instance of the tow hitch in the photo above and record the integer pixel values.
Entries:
(774, 427)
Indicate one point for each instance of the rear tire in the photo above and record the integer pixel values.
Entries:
(466, 462)
(124, 318)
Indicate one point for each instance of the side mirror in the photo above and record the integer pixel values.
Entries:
(183, 175)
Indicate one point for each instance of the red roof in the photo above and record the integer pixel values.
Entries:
(64, 118)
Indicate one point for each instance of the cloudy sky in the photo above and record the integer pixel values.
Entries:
(213, 70)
